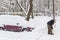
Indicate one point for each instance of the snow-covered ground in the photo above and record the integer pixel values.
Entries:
(39, 33)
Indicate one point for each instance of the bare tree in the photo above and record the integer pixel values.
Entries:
(20, 7)
(30, 11)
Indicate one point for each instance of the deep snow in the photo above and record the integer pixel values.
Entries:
(39, 33)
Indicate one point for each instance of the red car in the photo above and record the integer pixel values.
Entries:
(12, 28)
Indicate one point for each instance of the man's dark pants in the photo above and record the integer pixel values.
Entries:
(50, 29)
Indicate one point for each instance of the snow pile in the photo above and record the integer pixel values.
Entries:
(12, 20)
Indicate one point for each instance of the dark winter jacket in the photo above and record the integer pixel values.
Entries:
(51, 22)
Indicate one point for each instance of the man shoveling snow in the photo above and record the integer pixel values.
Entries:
(50, 26)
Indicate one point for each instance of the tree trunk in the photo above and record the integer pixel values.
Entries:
(53, 11)
(30, 11)
(48, 4)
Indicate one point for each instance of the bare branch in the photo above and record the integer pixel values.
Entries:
(21, 7)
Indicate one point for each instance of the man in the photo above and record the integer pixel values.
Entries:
(50, 26)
